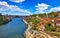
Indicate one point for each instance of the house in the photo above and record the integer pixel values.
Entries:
(58, 23)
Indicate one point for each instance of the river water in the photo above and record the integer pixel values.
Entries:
(14, 29)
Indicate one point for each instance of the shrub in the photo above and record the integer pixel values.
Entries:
(49, 27)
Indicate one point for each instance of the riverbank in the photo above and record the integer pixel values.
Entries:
(26, 34)
(30, 33)
(3, 20)
(25, 23)
(14, 29)
(34, 33)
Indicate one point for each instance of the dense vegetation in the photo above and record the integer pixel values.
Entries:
(36, 20)
(51, 15)
(49, 27)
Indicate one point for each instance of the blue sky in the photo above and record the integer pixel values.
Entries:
(27, 7)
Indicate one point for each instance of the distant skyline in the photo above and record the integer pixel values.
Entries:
(28, 7)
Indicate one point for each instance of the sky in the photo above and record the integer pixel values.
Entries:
(28, 7)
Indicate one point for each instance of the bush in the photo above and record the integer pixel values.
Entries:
(34, 28)
(49, 27)
(35, 21)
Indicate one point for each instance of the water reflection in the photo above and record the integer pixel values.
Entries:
(13, 29)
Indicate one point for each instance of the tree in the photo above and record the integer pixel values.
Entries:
(49, 27)
(35, 21)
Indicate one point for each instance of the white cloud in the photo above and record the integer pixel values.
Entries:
(55, 9)
(17, 1)
(41, 8)
(12, 9)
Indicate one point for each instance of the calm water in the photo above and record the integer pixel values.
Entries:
(14, 29)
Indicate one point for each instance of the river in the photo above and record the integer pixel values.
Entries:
(14, 29)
